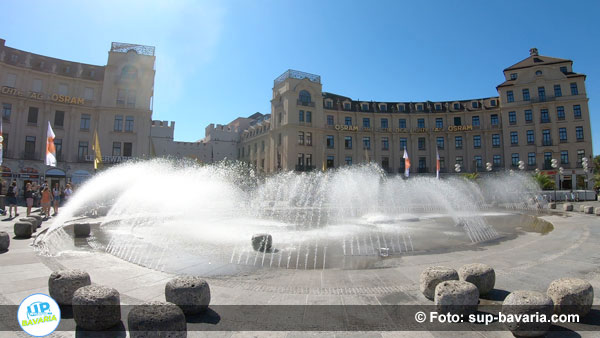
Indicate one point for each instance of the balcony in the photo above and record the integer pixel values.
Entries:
(305, 168)
(304, 103)
(26, 155)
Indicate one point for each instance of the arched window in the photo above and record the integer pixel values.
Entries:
(304, 96)
(129, 72)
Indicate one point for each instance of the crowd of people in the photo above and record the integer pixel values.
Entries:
(36, 195)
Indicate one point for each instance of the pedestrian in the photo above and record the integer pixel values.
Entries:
(68, 192)
(56, 198)
(28, 195)
(11, 198)
(45, 201)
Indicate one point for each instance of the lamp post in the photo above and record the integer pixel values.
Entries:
(554, 164)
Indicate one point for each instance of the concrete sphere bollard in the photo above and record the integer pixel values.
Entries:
(63, 284)
(30, 220)
(456, 297)
(481, 275)
(81, 229)
(571, 296)
(588, 209)
(529, 303)
(262, 242)
(96, 307)
(190, 293)
(434, 275)
(552, 205)
(568, 207)
(38, 218)
(4, 241)
(157, 319)
(23, 229)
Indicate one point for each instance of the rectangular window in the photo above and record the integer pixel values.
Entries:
(118, 126)
(29, 147)
(385, 143)
(526, 94)
(82, 150)
(330, 161)
(510, 96)
(400, 107)
(475, 121)
(514, 138)
(530, 137)
(330, 120)
(542, 93)
(580, 156)
(497, 160)
(367, 143)
(560, 113)
(458, 142)
(301, 116)
(419, 107)
(440, 142)
(127, 149)
(385, 163)
(384, 123)
(308, 140)
(116, 149)
(515, 159)
(347, 106)
(512, 117)
(301, 138)
(513, 76)
(557, 91)
(63, 89)
(348, 160)
(574, 90)
(563, 70)
(88, 93)
(308, 117)
(32, 117)
(420, 123)
(131, 98)
(439, 122)
(330, 143)
(579, 133)
(528, 116)
(421, 142)
(403, 143)
(37, 86)
(493, 103)
(547, 160)
(6, 111)
(422, 164)
(456, 106)
(402, 123)
(328, 104)
(308, 160)
(382, 107)
(562, 134)
(474, 104)
(564, 157)
(348, 142)
(85, 122)
(476, 141)
(531, 159)
(348, 120)
(494, 119)
(301, 159)
(58, 147)
(459, 160)
(478, 161)
(546, 139)
(442, 163)
(364, 107)
(366, 122)
(577, 111)
(544, 116)
(129, 123)
(121, 96)
(438, 106)
(496, 140)
(59, 118)
(10, 80)
(457, 121)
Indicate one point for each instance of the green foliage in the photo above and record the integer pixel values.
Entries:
(471, 176)
(545, 181)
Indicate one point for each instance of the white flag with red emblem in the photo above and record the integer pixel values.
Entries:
(406, 163)
(50, 148)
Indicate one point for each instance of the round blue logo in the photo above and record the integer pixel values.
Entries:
(38, 315)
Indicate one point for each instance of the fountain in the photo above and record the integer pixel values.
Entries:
(185, 218)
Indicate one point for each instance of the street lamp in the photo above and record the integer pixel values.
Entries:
(521, 165)
(488, 166)
(554, 164)
(457, 167)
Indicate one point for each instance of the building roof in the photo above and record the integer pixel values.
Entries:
(536, 60)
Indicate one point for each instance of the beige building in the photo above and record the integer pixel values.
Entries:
(541, 114)
(77, 99)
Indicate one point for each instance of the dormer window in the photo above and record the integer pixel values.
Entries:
(328, 104)
(13, 58)
(67, 69)
(493, 103)
(364, 107)
(419, 107)
(538, 73)
(438, 106)
(304, 96)
(401, 107)
(563, 70)
(513, 76)
(347, 105)
(456, 106)
(475, 104)
(383, 107)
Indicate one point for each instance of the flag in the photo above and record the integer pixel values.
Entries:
(50, 148)
(406, 163)
(1, 142)
(97, 153)
(437, 163)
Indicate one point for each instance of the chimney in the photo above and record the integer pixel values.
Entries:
(533, 52)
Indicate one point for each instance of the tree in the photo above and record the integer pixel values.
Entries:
(545, 181)
(596, 164)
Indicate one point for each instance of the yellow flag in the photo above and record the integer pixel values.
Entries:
(97, 153)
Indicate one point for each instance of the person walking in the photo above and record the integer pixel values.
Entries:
(68, 192)
(45, 201)
(11, 198)
(56, 198)
(28, 195)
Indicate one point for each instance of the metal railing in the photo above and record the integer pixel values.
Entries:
(304, 103)
(295, 74)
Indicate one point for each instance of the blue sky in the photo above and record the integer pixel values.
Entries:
(216, 60)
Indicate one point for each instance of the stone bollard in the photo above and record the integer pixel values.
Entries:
(568, 207)
(190, 293)
(38, 218)
(481, 275)
(582, 208)
(4, 241)
(552, 205)
(530, 303)
(96, 307)
(30, 220)
(571, 296)
(588, 210)
(434, 275)
(597, 211)
(63, 284)
(23, 229)
(262, 242)
(157, 319)
(102, 210)
(456, 297)
(81, 229)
